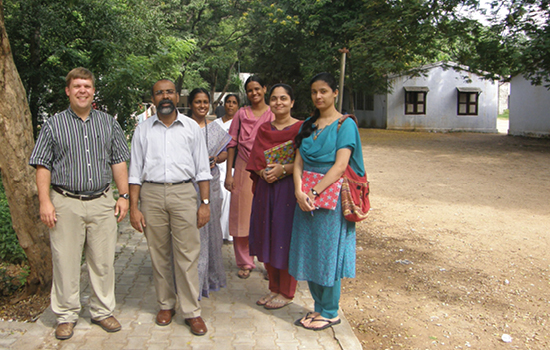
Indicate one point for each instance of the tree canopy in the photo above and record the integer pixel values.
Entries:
(124, 42)
(129, 44)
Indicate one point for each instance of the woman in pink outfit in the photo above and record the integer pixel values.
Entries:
(243, 130)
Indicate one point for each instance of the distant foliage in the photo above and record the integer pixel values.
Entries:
(10, 250)
(125, 43)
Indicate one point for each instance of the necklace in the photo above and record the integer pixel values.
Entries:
(317, 132)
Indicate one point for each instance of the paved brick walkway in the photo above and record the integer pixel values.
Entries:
(233, 319)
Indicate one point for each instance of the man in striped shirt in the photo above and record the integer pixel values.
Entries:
(77, 154)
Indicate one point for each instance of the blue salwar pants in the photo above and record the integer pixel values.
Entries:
(326, 299)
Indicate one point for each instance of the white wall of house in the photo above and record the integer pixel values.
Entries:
(529, 109)
(442, 102)
(373, 119)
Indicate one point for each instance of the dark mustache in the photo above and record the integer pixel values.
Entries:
(166, 101)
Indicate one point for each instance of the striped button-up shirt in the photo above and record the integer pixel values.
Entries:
(79, 153)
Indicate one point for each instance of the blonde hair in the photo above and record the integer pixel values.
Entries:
(79, 73)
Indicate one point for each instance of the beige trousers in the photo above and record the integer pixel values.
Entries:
(89, 225)
(170, 213)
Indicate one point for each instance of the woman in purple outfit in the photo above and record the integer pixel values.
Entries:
(274, 201)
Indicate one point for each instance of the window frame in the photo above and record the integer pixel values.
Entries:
(411, 98)
(468, 92)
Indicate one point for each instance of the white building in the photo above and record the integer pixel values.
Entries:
(529, 109)
(446, 97)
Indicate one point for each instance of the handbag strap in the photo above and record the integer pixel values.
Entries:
(340, 121)
(343, 118)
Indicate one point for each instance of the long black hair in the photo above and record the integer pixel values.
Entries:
(308, 127)
(192, 95)
(287, 88)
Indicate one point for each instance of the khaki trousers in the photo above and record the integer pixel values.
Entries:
(89, 225)
(170, 213)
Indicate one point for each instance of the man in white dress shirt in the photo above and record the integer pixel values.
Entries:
(168, 150)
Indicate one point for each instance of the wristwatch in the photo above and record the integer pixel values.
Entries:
(124, 195)
(205, 201)
(314, 192)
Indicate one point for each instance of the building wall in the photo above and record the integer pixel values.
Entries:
(441, 103)
(529, 109)
(375, 119)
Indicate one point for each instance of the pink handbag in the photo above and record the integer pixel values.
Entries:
(328, 199)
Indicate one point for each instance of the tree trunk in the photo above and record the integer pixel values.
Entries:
(16, 145)
(227, 82)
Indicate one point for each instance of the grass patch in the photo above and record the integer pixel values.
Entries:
(505, 115)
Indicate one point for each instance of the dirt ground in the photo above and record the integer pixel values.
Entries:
(454, 254)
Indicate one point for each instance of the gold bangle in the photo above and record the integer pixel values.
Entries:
(284, 171)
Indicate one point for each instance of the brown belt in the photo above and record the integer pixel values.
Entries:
(83, 196)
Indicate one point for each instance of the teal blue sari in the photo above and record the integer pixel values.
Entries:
(322, 248)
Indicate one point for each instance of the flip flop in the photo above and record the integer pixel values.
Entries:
(299, 323)
(266, 299)
(244, 273)
(280, 303)
(329, 324)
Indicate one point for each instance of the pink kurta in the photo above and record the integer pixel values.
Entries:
(243, 130)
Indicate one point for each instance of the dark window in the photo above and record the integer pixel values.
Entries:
(369, 102)
(415, 102)
(359, 101)
(363, 102)
(468, 101)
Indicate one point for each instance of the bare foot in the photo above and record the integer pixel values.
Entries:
(304, 321)
(319, 323)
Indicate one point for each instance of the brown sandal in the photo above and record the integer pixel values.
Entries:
(244, 273)
(266, 299)
(277, 303)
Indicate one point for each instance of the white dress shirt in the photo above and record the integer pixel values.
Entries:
(168, 154)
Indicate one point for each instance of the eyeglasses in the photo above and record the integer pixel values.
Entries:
(167, 92)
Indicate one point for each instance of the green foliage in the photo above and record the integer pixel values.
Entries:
(505, 115)
(125, 43)
(300, 38)
(12, 278)
(129, 44)
(10, 250)
(525, 25)
(218, 28)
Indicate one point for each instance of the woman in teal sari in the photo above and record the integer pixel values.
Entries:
(322, 248)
